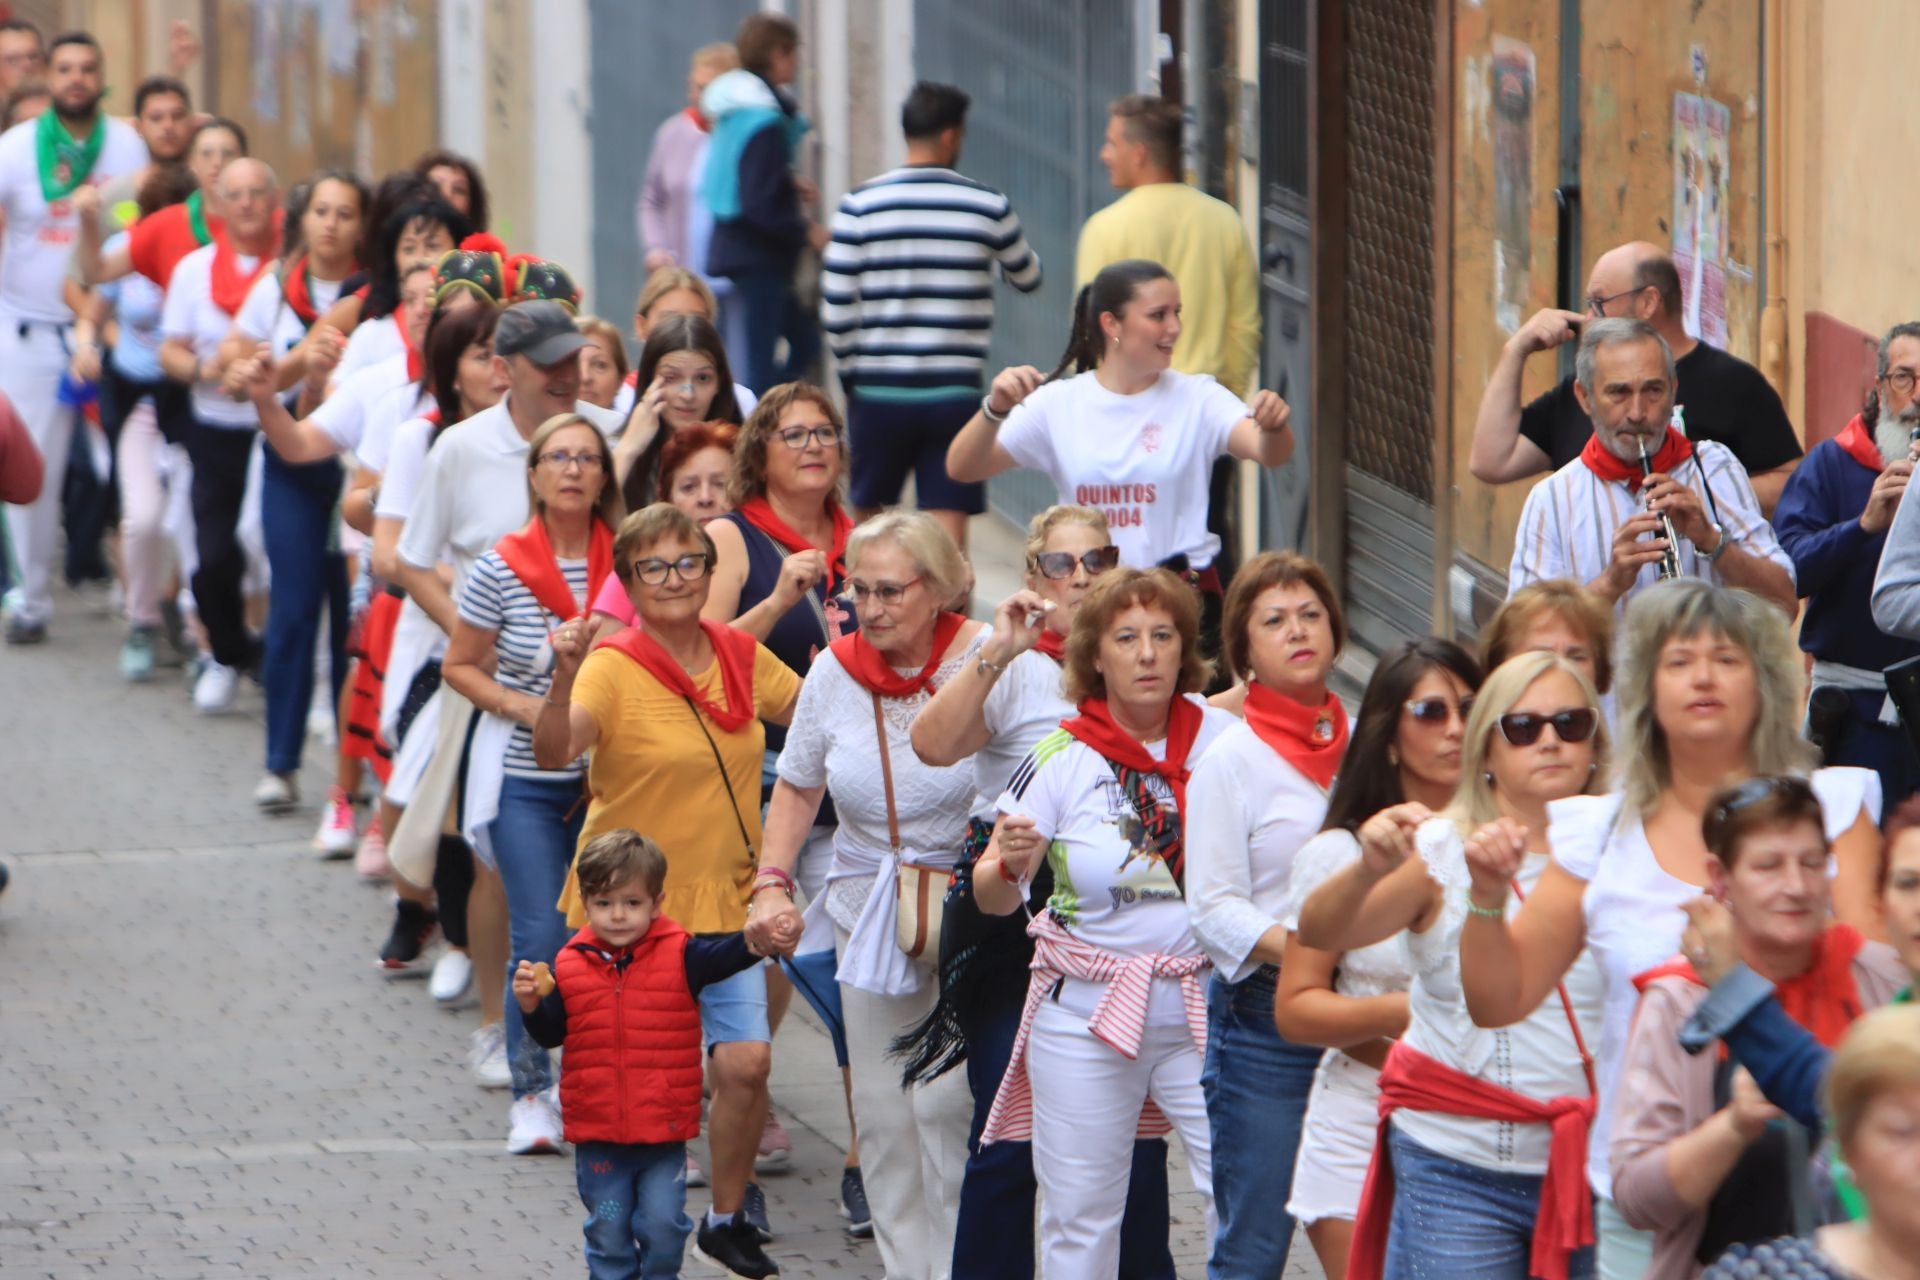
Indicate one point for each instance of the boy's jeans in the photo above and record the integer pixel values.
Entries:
(636, 1199)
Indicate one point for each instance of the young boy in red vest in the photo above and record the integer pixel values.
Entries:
(622, 1001)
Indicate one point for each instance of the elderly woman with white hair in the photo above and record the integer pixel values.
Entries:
(901, 822)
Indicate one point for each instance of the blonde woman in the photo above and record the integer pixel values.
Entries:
(671, 291)
(1477, 1170)
(603, 364)
(1709, 695)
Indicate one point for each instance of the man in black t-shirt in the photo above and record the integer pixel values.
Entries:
(1720, 397)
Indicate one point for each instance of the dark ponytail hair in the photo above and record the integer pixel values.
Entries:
(1107, 294)
(1369, 778)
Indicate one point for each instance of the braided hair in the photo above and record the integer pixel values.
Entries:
(1107, 294)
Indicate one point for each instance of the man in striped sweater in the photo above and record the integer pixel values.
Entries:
(907, 302)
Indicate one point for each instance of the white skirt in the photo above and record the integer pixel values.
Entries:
(1336, 1140)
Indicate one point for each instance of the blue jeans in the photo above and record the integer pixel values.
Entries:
(994, 1239)
(1451, 1218)
(534, 837)
(1256, 1086)
(765, 310)
(635, 1194)
(296, 523)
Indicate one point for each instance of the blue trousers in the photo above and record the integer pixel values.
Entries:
(296, 522)
(1256, 1085)
(534, 836)
(1451, 1219)
(636, 1195)
(994, 1239)
(765, 310)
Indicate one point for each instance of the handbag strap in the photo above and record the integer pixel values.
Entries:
(1566, 1007)
(726, 778)
(886, 774)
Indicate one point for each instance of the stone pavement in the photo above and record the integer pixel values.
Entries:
(204, 1075)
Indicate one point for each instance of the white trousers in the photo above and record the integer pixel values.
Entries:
(146, 548)
(1086, 1107)
(30, 370)
(913, 1142)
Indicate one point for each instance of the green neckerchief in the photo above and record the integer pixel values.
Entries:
(64, 163)
(197, 217)
(1904, 995)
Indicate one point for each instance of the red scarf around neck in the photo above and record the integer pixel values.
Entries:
(758, 512)
(1825, 999)
(1093, 724)
(228, 287)
(297, 289)
(1858, 443)
(1673, 451)
(529, 553)
(1053, 644)
(733, 650)
(416, 363)
(870, 669)
(1311, 739)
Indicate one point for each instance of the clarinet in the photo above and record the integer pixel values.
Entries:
(1670, 560)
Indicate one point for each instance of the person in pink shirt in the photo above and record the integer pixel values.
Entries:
(693, 477)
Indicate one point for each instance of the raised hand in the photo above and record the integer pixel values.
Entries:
(1748, 1108)
(1013, 385)
(1386, 839)
(1494, 855)
(1019, 844)
(571, 640)
(1269, 412)
(798, 573)
(1017, 625)
(1707, 941)
(1546, 329)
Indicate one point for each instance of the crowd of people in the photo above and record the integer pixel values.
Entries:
(1578, 955)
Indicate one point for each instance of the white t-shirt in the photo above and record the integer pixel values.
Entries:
(389, 411)
(1249, 811)
(1535, 1057)
(191, 316)
(1107, 890)
(1633, 915)
(345, 412)
(1142, 460)
(400, 477)
(371, 343)
(40, 237)
(264, 316)
(1024, 706)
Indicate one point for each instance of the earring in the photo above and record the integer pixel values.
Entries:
(1393, 756)
(1488, 775)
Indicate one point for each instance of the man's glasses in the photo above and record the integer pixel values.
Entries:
(797, 438)
(1436, 710)
(562, 459)
(1523, 728)
(1598, 304)
(887, 593)
(1059, 564)
(653, 571)
(1900, 380)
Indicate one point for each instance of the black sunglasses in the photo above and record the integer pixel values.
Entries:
(1435, 710)
(1523, 728)
(1059, 564)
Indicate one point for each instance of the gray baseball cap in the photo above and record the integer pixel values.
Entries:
(543, 332)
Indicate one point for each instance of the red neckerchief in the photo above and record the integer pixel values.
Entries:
(1094, 725)
(297, 289)
(1859, 444)
(226, 285)
(632, 380)
(758, 512)
(869, 668)
(1411, 1080)
(733, 650)
(1825, 999)
(1053, 644)
(416, 363)
(1311, 739)
(700, 121)
(529, 553)
(1673, 451)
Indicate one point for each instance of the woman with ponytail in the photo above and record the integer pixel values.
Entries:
(1116, 427)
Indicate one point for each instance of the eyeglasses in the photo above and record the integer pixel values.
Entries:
(1059, 564)
(797, 438)
(1523, 728)
(888, 593)
(653, 571)
(562, 459)
(1598, 304)
(1900, 380)
(1435, 710)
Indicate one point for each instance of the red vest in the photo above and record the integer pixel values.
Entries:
(632, 1069)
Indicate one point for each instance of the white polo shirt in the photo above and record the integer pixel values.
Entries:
(347, 413)
(191, 316)
(40, 236)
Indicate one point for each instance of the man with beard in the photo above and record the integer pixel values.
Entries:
(1833, 520)
(1599, 519)
(42, 164)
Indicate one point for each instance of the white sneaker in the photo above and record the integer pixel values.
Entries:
(277, 792)
(339, 828)
(487, 1057)
(452, 975)
(533, 1127)
(215, 689)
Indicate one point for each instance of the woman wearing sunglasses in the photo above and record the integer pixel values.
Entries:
(1476, 1167)
(993, 715)
(1689, 1132)
(672, 710)
(1406, 746)
(851, 736)
(1257, 797)
(1709, 694)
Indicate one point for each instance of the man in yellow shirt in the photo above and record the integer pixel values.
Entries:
(1198, 238)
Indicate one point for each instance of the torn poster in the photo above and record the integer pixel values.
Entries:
(1701, 128)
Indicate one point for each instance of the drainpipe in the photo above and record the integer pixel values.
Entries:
(1773, 121)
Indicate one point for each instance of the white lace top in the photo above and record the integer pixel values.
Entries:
(1370, 971)
(832, 742)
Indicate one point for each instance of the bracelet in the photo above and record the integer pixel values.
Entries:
(1486, 913)
(987, 410)
(986, 668)
(1000, 865)
(772, 876)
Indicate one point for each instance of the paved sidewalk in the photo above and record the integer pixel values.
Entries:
(205, 1076)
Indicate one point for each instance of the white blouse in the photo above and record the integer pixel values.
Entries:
(1248, 813)
(1374, 970)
